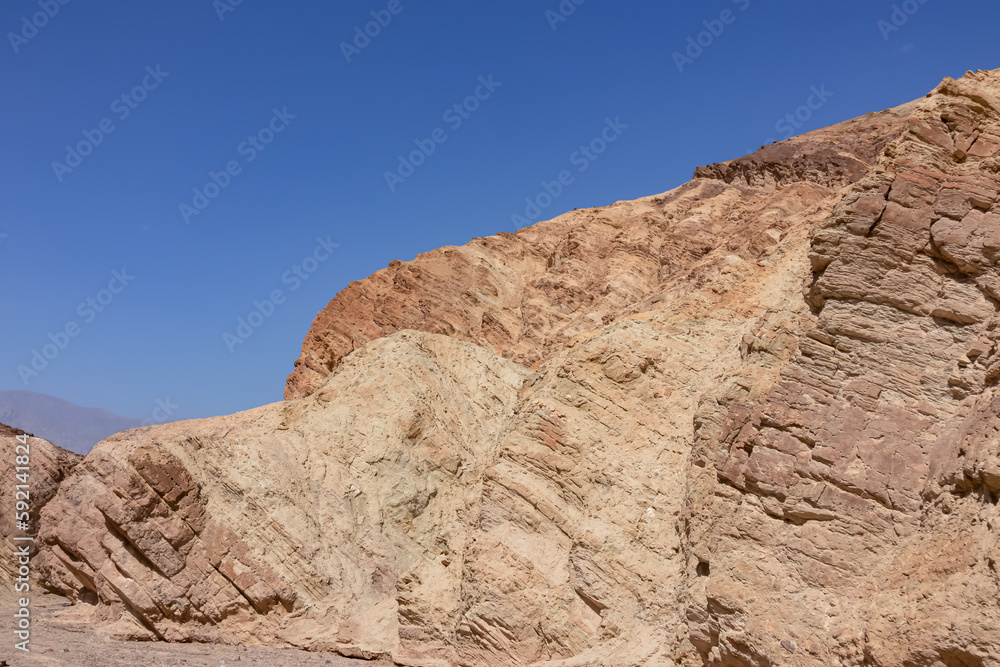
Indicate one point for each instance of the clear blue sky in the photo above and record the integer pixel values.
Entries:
(323, 174)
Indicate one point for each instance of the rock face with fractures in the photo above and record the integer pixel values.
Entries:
(751, 421)
(859, 496)
(526, 295)
(45, 466)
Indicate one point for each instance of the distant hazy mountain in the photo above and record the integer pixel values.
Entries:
(60, 422)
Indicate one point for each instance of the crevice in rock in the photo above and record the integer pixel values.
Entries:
(139, 616)
(81, 576)
(594, 605)
(131, 546)
(240, 591)
(871, 229)
(765, 421)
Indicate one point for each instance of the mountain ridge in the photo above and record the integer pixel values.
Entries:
(71, 426)
(517, 275)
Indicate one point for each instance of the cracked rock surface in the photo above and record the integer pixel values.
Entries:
(751, 421)
(43, 467)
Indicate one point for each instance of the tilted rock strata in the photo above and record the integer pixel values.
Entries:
(47, 466)
(174, 530)
(290, 523)
(548, 531)
(834, 157)
(761, 432)
(525, 295)
(862, 491)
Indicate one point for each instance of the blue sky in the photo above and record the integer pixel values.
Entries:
(299, 132)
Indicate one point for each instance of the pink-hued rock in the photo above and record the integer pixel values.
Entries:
(525, 295)
(47, 466)
(862, 491)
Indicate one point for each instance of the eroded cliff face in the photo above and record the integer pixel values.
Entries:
(525, 295)
(45, 466)
(750, 421)
(859, 497)
(291, 523)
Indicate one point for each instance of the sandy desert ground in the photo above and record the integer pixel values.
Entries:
(60, 644)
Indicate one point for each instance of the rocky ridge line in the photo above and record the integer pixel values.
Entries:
(750, 421)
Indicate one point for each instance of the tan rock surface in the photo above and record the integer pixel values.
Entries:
(291, 523)
(46, 466)
(859, 497)
(750, 421)
(525, 295)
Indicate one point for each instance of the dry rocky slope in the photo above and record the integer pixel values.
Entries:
(751, 421)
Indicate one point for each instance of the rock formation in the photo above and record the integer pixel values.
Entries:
(750, 421)
(859, 495)
(46, 466)
(525, 295)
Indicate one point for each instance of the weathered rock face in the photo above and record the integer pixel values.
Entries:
(46, 467)
(859, 496)
(293, 522)
(526, 295)
(834, 156)
(751, 421)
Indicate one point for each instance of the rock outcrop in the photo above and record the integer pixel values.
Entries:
(859, 496)
(291, 523)
(43, 467)
(525, 295)
(751, 421)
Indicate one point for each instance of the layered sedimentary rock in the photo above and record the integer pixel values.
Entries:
(859, 496)
(751, 421)
(525, 295)
(42, 467)
(293, 522)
